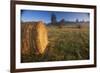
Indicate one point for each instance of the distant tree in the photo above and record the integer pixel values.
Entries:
(77, 20)
(78, 25)
(62, 23)
(53, 19)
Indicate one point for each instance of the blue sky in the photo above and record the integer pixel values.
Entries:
(45, 16)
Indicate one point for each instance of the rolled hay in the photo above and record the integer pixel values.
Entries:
(26, 37)
(34, 38)
(40, 37)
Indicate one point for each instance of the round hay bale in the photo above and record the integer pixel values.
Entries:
(40, 37)
(25, 46)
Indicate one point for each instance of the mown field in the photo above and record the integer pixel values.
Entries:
(66, 43)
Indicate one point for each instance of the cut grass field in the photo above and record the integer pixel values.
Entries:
(66, 43)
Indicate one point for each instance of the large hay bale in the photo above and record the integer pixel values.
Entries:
(34, 37)
(25, 46)
(40, 37)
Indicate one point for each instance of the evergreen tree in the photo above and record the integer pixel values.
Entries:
(53, 19)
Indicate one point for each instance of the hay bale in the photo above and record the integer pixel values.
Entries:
(25, 46)
(34, 37)
(40, 37)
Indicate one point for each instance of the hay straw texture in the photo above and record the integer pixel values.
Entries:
(34, 37)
